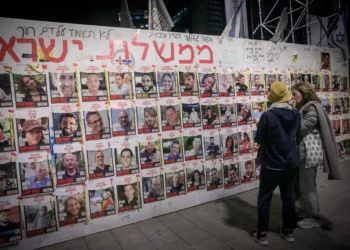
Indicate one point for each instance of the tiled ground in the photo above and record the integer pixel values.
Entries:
(224, 225)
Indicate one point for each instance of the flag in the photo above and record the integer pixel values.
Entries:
(125, 17)
(159, 17)
(339, 37)
(282, 24)
(233, 26)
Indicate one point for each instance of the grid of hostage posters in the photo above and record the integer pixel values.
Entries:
(175, 180)
(129, 193)
(39, 215)
(101, 198)
(195, 175)
(99, 158)
(36, 173)
(70, 164)
(126, 153)
(10, 220)
(8, 175)
(152, 185)
(71, 205)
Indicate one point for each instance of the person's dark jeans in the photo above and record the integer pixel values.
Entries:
(269, 180)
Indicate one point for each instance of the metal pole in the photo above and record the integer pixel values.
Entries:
(261, 27)
(271, 11)
(251, 19)
(287, 14)
(308, 32)
(316, 21)
(319, 43)
(291, 21)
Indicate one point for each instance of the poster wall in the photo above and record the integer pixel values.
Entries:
(101, 127)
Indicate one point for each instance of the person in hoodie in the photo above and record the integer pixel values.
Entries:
(314, 122)
(279, 157)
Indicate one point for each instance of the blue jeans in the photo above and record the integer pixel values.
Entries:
(269, 180)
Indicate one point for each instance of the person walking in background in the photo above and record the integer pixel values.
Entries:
(317, 148)
(279, 158)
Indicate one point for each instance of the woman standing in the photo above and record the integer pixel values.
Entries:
(317, 148)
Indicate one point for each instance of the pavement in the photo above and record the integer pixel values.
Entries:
(224, 224)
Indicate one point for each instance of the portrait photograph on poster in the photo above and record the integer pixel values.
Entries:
(326, 102)
(99, 159)
(8, 175)
(212, 144)
(147, 116)
(63, 84)
(10, 220)
(257, 83)
(66, 123)
(231, 173)
(120, 82)
(101, 200)
(188, 81)
(70, 165)
(168, 82)
(172, 146)
(306, 78)
(195, 175)
(193, 146)
(208, 82)
(214, 175)
(150, 151)
(175, 181)
(191, 112)
(33, 130)
(336, 124)
(345, 124)
(258, 106)
(325, 61)
(30, 85)
(210, 113)
(228, 112)
(242, 84)
(7, 132)
(39, 216)
(152, 186)
(270, 78)
(336, 104)
(93, 83)
(129, 194)
(170, 109)
(345, 103)
(71, 206)
(245, 138)
(96, 120)
(229, 139)
(123, 118)
(145, 82)
(244, 113)
(5, 87)
(336, 83)
(257, 169)
(226, 77)
(326, 82)
(316, 82)
(126, 153)
(36, 173)
(247, 169)
(344, 84)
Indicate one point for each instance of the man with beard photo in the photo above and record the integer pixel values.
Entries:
(147, 84)
(215, 180)
(68, 124)
(189, 80)
(150, 153)
(150, 118)
(5, 223)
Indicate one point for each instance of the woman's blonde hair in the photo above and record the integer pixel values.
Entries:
(307, 93)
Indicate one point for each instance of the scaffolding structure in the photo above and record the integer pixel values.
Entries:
(295, 8)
